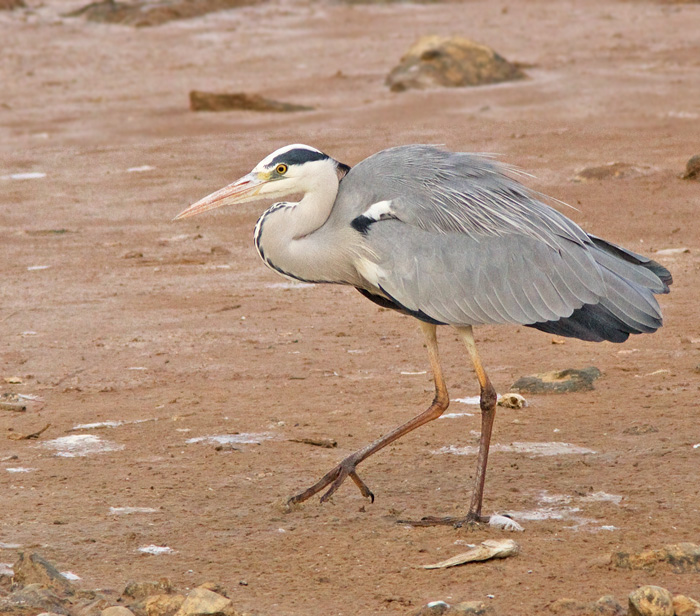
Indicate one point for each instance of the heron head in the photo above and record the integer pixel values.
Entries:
(292, 169)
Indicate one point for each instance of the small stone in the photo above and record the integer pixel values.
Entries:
(210, 101)
(685, 606)
(512, 401)
(650, 601)
(434, 608)
(470, 608)
(451, 62)
(639, 429)
(117, 610)
(142, 590)
(203, 602)
(163, 605)
(35, 569)
(692, 169)
(558, 381)
(613, 171)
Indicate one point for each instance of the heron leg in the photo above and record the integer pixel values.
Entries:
(346, 468)
(488, 400)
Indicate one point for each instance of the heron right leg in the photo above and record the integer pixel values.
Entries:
(346, 468)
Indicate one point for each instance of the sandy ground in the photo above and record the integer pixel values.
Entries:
(111, 312)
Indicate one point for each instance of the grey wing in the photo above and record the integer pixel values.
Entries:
(454, 239)
(460, 280)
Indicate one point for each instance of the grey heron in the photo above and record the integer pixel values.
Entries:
(450, 239)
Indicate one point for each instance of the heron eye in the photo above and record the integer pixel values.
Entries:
(281, 169)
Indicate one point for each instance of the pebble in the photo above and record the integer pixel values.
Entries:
(692, 169)
(650, 601)
(451, 62)
(210, 101)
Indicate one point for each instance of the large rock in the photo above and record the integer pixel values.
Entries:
(31, 600)
(557, 381)
(452, 62)
(163, 605)
(605, 606)
(141, 14)
(685, 606)
(117, 610)
(34, 569)
(142, 590)
(679, 557)
(204, 602)
(650, 601)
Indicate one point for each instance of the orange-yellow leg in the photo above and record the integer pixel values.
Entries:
(346, 468)
(487, 401)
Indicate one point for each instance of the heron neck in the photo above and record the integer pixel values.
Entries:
(285, 233)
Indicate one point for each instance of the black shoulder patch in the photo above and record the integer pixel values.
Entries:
(361, 223)
(298, 156)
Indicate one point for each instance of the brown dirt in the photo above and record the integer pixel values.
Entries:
(222, 345)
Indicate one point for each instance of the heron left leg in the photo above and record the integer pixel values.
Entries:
(346, 468)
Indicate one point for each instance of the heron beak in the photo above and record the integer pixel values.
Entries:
(240, 191)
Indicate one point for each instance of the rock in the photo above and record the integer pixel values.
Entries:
(650, 601)
(685, 606)
(35, 569)
(680, 557)
(92, 607)
(142, 590)
(209, 101)
(558, 381)
(605, 606)
(470, 608)
(452, 62)
(512, 401)
(466, 608)
(142, 14)
(203, 602)
(8, 5)
(32, 600)
(692, 169)
(163, 605)
(639, 429)
(117, 610)
(434, 608)
(611, 171)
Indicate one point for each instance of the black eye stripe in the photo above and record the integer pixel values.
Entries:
(297, 157)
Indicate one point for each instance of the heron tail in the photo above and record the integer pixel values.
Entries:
(629, 306)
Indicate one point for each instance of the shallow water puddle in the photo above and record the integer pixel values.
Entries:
(156, 549)
(536, 449)
(562, 507)
(229, 439)
(130, 510)
(80, 445)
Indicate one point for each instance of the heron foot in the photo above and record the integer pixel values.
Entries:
(334, 478)
(471, 520)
